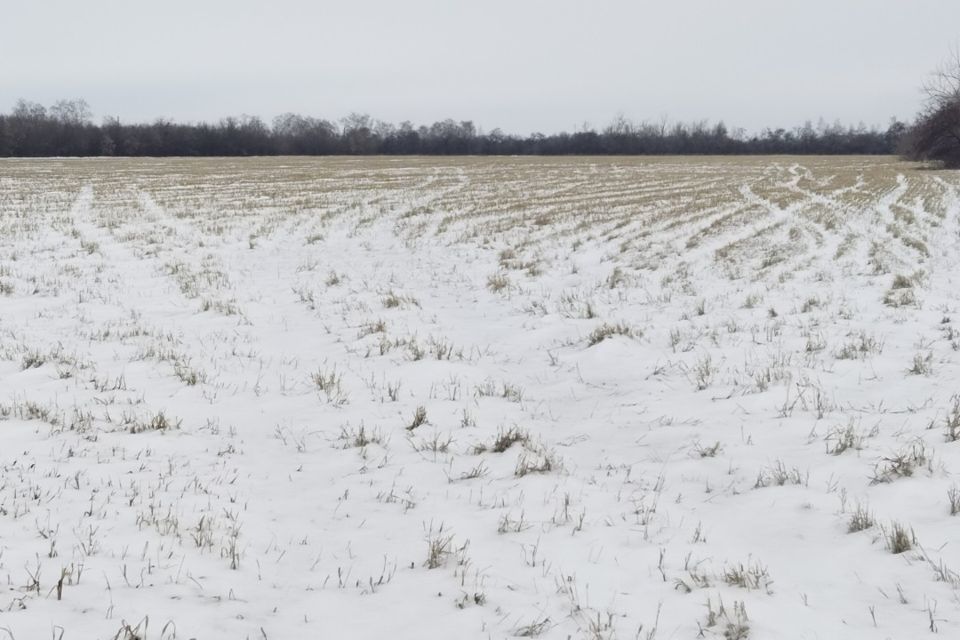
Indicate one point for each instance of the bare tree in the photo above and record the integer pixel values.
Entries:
(936, 134)
(75, 112)
(943, 85)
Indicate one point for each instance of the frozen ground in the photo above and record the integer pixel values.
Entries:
(479, 398)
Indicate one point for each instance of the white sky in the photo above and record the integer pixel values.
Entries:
(522, 65)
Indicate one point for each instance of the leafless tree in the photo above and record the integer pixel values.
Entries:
(943, 85)
(74, 112)
(936, 134)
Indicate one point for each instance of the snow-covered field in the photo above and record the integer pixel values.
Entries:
(479, 398)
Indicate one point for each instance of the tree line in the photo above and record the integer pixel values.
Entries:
(67, 128)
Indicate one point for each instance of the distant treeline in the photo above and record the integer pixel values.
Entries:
(67, 129)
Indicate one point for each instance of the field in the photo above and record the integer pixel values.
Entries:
(479, 398)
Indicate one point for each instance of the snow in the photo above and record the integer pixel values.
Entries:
(209, 371)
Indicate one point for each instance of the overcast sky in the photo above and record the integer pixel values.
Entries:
(522, 65)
